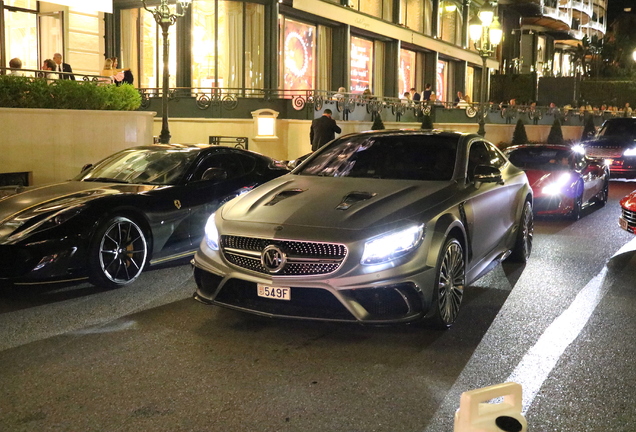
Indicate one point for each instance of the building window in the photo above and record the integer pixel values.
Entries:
(416, 15)
(407, 70)
(442, 80)
(23, 4)
(361, 64)
(298, 49)
(450, 21)
(227, 49)
(21, 35)
(382, 9)
(149, 45)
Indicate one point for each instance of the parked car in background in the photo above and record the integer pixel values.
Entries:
(564, 180)
(141, 206)
(627, 219)
(615, 142)
(374, 227)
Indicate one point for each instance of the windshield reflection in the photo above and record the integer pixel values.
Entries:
(142, 166)
(397, 157)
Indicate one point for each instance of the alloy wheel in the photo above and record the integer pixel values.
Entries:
(122, 251)
(451, 282)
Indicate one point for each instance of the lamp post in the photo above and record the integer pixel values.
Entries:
(165, 19)
(485, 32)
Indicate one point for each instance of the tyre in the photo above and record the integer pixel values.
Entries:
(118, 253)
(523, 243)
(604, 194)
(450, 277)
(575, 214)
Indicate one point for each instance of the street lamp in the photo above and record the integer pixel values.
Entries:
(165, 19)
(485, 32)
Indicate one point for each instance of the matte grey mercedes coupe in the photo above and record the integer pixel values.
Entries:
(374, 227)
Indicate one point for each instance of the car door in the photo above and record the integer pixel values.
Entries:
(204, 197)
(490, 207)
(591, 174)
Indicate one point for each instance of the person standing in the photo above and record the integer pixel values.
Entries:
(62, 67)
(415, 96)
(427, 92)
(323, 129)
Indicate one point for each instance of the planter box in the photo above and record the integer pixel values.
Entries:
(55, 144)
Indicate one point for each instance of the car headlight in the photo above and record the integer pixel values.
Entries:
(50, 221)
(556, 187)
(630, 152)
(391, 246)
(211, 233)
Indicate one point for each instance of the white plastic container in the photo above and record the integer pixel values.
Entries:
(476, 415)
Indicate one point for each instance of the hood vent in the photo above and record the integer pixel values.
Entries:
(284, 195)
(354, 197)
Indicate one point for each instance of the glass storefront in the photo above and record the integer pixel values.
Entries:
(230, 55)
(442, 80)
(361, 65)
(298, 55)
(21, 35)
(407, 71)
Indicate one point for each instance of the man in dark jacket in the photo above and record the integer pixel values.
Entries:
(323, 129)
(63, 67)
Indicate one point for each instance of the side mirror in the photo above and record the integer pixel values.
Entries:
(487, 174)
(214, 174)
(85, 167)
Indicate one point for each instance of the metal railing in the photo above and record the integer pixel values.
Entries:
(39, 73)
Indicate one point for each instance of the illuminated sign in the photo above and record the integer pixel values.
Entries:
(298, 54)
(361, 64)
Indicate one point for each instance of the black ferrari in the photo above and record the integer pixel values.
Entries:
(141, 206)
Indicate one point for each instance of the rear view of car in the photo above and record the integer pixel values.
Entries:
(616, 144)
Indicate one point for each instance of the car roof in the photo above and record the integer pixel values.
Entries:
(621, 120)
(547, 146)
(403, 132)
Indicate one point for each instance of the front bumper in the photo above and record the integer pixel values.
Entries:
(43, 261)
(369, 298)
(558, 205)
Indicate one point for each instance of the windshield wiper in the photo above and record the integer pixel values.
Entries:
(105, 180)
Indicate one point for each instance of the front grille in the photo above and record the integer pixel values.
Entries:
(303, 258)
(305, 302)
(630, 217)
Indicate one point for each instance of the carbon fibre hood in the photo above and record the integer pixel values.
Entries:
(335, 202)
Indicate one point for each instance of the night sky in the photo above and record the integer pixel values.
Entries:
(615, 7)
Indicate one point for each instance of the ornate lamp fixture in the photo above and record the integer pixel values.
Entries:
(165, 18)
(486, 33)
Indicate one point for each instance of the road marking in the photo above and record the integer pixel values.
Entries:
(537, 364)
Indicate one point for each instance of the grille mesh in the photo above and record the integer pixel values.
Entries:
(326, 257)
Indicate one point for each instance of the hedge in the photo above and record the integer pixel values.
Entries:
(25, 92)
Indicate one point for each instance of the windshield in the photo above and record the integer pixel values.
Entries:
(142, 166)
(545, 159)
(621, 127)
(398, 157)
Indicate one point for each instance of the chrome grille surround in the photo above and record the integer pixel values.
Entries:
(303, 258)
(630, 217)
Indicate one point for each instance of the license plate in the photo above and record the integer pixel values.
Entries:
(276, 293)
(623, 223)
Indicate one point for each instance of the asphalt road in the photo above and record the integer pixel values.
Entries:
(149, 358)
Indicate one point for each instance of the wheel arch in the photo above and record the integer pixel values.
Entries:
(132, 213)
